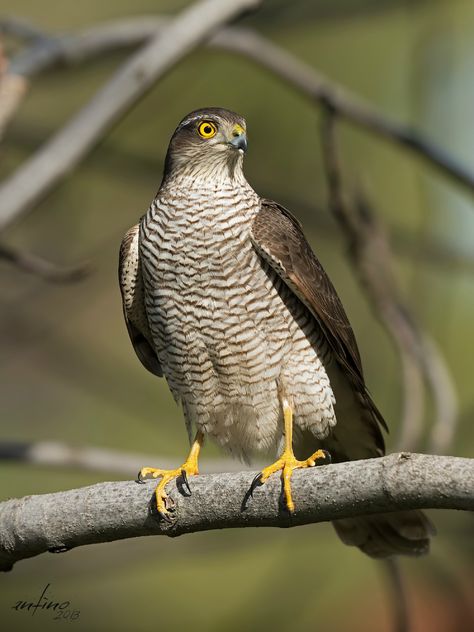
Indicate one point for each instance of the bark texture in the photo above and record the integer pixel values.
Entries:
(113, 511)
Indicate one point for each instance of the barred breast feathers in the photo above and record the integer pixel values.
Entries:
(221, 320)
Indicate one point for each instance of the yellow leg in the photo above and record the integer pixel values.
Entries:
(287, 461)
(189, 468)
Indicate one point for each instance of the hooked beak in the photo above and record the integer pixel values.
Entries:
(239, 139)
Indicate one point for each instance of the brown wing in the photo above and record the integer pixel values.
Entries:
(131, 287)
(279, 239)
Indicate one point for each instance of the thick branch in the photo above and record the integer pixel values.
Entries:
(35, 178)
(113, 511)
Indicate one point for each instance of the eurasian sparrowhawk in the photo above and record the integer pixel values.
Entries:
(224, 297)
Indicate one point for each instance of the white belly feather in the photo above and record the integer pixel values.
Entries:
(228, 332)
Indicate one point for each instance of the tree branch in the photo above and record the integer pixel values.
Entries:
(92, 459)
(113, 511)
(46, 270)
(401, 614)
(347, 105)
(40, 173)
(369, 251)
(369, 248)
(22, 29)
(36, 177)
(301, 76)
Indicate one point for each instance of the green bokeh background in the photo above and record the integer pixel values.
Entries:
(68, 371)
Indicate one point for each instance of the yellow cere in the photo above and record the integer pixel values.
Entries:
(238, 130)
(207, 129)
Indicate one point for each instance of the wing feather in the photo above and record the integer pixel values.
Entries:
(279, 238)
(131, 287)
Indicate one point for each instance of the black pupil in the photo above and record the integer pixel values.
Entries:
(207, 129)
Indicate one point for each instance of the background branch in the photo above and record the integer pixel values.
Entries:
(347, 105)
(23, 29)
(92, 459)
(112, 511)
(401, 614)
(46, 270)
(302, 77)
(369, 249)
(420, 359)
(36, 177)
(41, 172)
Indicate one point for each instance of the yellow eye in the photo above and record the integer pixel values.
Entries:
(207, 129)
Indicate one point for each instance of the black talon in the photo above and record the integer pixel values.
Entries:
(255, 483)
(139, 478)
(327, 457)
(184, 476)
(249, 494)
(165, 517)
(169, 504)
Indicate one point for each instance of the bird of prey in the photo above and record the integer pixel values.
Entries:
(224, 297)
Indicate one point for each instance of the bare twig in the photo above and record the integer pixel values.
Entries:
(63, 455)
(401, 614)
(412, 402)
(444, 395)
(14, 200)
(304, 78)
(112, 511)
(90, 43)
(23, 29)
(319, 88)
(417, 345)
(46, 270)
(370, 251)
(420, 359)
(36, 177)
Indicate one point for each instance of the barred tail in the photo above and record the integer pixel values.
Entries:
(383, 535)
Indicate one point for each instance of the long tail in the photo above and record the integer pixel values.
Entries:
(384, 535)
(357, 436)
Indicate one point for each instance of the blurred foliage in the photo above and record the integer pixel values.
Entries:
(68, 371)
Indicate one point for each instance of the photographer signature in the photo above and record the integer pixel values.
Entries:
(60, 609)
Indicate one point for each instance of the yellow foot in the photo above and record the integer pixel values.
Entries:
(287, 463)
(189, 468)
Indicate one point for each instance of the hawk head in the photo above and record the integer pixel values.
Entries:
(208, 142)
